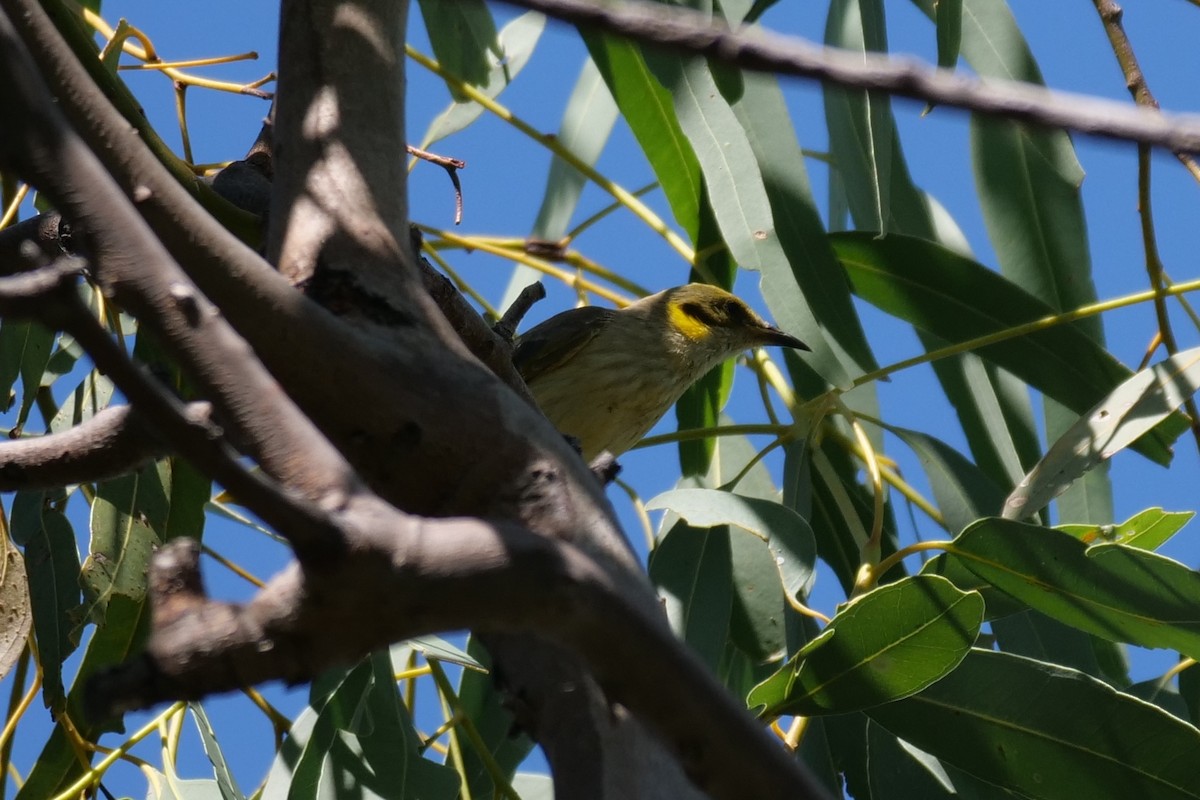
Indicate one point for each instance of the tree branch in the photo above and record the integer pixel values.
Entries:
(304, 622)
(115, 441)
(130, 263)
(764, 51)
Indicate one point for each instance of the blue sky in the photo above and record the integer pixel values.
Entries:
(506, 174)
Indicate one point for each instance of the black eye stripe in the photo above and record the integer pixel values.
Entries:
(698, 312)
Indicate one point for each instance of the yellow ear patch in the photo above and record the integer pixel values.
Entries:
(686, 324)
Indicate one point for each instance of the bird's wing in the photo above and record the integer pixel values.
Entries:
(549, 344)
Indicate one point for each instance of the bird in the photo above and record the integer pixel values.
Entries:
(606, 376)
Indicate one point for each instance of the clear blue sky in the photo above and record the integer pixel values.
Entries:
(506, 174)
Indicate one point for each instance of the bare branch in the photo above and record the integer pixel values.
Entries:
(302, 623)
(506, 328)
(115, 441)
(764, 51)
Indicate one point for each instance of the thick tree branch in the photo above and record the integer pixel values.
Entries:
(130, 263)
(115, 441)
(302, 623)
(764, 51)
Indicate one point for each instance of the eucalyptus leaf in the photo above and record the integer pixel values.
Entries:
(1047, 732)
(887, 644)
(1129, 412)
(1120, 593)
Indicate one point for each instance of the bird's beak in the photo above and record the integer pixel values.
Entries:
(769, 335)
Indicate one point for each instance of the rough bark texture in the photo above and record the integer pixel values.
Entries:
(441, 500)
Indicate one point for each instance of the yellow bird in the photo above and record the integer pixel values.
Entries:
(607, 376)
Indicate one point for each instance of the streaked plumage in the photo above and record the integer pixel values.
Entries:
(607, 376)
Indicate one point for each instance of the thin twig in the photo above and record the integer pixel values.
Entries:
(452, 166)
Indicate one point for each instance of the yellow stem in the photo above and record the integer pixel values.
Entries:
(569, 278)
(10, 213)
(94, 774)
(1083, 312)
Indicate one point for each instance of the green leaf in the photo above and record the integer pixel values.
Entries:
(225, 781)
(735, 185)
(757, 623)
(1125, 415)
(949, 32)
(1116, 592)
(461, 33)
(786, 533)
(646, 107)
(887, 644)
(485, 705)
(958, 299)
(91, 396)
(122, 540)
(123, 633)
(437, 647)
(1148, 529)
(693, 572)
(52, 561)
(518, 39)
(811, 298)
(24, 352)
(861, 128)
(356, 739)
(1046, 732)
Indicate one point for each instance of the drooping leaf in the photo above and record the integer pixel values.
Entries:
(737, 191)
(949, 32)
(52, 562)
(813, 292)
(462, 32)
(861, 127)
(1046, 732)
(223, 776)
(517, 41)
(786, 533)
(24, 352)
(1121, 418)
(691, 569)
(887, 644)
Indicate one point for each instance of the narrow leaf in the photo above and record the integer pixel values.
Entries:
(1116, 592)
(958, 299)
(518, 39)
(1126, 414)
(1148, 529)
(692, 569)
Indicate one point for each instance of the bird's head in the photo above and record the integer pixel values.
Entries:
(709, 319)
